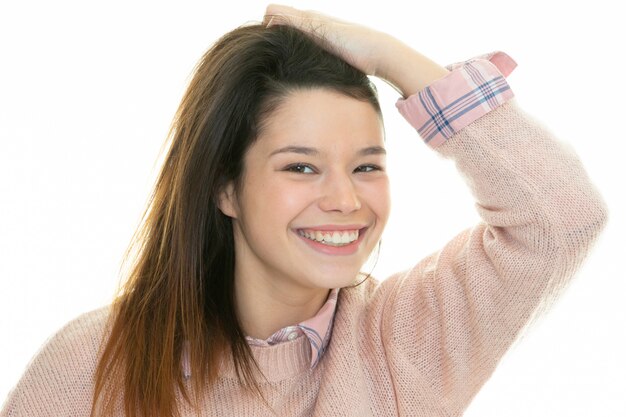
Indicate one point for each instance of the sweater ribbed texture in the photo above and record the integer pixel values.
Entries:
(423, 341)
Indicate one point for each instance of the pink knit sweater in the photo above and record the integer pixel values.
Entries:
(422, 342)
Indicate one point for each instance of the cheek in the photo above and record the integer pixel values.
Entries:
(378, 198)
(282, 202)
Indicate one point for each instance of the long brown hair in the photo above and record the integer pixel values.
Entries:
(178, 293)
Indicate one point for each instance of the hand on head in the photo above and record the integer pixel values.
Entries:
(362, 47)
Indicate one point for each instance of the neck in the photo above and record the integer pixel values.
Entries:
(265, 307)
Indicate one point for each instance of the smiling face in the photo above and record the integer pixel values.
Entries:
(315, 195)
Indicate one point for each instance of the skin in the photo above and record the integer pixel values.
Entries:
(279, 279)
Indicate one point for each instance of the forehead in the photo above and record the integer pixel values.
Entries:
(323, 119)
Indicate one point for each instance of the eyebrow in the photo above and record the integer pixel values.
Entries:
(371, 150)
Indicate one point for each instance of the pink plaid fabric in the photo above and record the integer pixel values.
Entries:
(472, 89)
(317, 329)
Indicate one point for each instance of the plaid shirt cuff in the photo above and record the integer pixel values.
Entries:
(472, 89)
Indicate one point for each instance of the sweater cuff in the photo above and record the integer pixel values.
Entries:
(472, 89)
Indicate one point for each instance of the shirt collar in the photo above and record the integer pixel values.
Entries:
(317, 329)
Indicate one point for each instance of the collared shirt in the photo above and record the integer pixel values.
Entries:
(317, 329)
(472, 89)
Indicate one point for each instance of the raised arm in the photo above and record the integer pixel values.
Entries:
(450, 319)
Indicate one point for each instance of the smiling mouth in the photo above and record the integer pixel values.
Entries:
(332, 238)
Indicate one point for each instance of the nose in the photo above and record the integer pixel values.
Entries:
(339, 194)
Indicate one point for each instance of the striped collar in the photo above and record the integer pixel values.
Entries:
(317, 329)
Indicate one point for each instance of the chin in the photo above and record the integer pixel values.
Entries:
(340, 281)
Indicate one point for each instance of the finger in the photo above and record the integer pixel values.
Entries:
(274, 12)
(286, 15)
(278, 19)
(273, 9)
(268, 20)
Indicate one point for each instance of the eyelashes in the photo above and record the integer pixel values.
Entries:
(303, 168)
(300, 168)
(369, 168)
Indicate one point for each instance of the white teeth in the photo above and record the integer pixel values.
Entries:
(338, 238)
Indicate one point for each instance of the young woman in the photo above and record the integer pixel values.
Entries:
(245, 295)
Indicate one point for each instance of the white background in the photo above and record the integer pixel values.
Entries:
(87, 93)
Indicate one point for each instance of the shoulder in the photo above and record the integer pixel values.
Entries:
(76, 344)
(369, 297)
(59, 377)
(380, 302)
(373, 291)
(86, 329)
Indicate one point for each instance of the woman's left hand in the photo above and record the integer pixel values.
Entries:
(374, 52)
(360, 46)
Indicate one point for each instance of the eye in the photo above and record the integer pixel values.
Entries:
(368, 168)
(300, 168)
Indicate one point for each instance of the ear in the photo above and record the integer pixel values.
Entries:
(227, 201)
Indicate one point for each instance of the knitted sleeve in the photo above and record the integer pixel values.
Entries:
(452, 317)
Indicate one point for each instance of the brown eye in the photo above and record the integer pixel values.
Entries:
(368, 168)
(300, 168)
